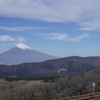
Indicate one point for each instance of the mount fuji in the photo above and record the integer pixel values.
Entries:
(22, 53)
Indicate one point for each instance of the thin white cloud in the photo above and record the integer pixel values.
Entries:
(65, 37)
(90, 26)
(57, 36)
(21, 39)
(84, 12)
(95, 35)
(6, 38)
(9, 38)
(19, 28)
(75, 39)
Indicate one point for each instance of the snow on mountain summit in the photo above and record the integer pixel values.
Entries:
(23, 46)
(22, 53)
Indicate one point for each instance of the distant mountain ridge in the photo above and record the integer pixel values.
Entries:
(22, 53)
(75, 66)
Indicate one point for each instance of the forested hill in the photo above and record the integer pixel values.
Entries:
(75, 66)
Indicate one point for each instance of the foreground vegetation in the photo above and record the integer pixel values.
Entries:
(47, 90)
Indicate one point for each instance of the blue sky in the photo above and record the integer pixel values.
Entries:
(56, 27)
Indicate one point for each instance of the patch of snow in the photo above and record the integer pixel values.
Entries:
(23, 46)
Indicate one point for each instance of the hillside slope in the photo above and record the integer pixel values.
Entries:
(74, 66)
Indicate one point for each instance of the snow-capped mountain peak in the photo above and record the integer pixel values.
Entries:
(22, 53)
(23, 46)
